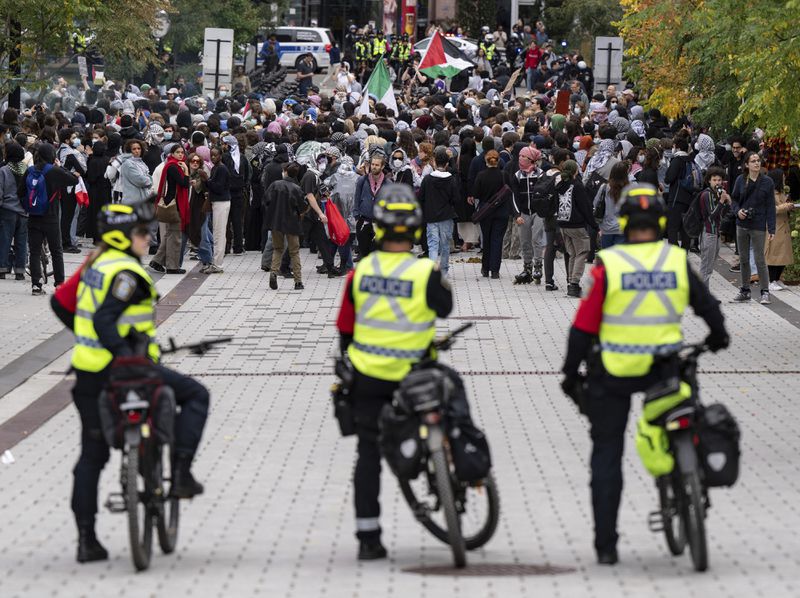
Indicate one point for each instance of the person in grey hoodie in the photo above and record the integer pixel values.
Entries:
(134, 175)
(13, 219)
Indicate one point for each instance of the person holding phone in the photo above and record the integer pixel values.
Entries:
(714, 203)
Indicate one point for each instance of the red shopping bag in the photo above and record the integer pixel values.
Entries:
(338, 231)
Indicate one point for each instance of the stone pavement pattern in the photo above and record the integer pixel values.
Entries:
(277, 516)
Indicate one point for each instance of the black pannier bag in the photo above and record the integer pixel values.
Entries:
(133, 379)
(719, 446)
(400, 442)
(470, 450)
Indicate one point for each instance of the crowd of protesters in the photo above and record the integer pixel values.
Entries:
(241, 171)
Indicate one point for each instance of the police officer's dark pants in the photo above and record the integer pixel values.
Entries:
(369, 397)
(189, 394)
(609, 400)
(314, 231)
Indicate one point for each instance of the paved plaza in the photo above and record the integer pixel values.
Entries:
(277, 518)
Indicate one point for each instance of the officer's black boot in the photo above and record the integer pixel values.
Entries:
(526, 276)
(89, 548)
(537, 273)
(183, 483)
(371, 550)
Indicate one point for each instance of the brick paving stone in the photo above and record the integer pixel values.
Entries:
(277, 516)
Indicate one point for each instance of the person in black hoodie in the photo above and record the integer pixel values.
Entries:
(239, 170)
(97, 185)
(47, 226)
(493, 226)
(679, 197)
(438, 195)
(272, 172)
(574, 217)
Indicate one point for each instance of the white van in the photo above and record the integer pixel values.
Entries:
(296, 41)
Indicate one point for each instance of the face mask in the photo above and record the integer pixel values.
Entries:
(94, 142)
(613, 105)
(727, 147)
(76, 143)
(575, 144)
(222, 94)
(577, 110)
(640, 159)
(8, 136)
(397, 162)
(167, 136)
(252, 122)
(697, 146)
(322, 163)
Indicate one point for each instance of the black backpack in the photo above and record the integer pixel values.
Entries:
(718, 446)
(692, 219)
(594, 183)
(543, 200)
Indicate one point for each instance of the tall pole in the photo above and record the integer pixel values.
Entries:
(609, 49)
(15, 62)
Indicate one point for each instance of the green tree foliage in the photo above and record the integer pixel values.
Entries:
(474, 14)
(118, 29)
(731, 63)
(579, 21)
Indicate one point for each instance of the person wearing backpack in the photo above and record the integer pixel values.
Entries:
(42, 206)
(576, 222)
(13, 221)
(680, 178)
(532, 195)
(712, 204)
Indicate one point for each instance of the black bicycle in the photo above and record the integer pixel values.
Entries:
(138, 412)
(462, 514)
(683, 496)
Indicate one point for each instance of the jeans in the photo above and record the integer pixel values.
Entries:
(607, 240)
(752, 238)
(39, 229)
(206, 248)
(529, 73)
(709, 250)
(13, 229)
(189, 394)
(493, 230)
(346, 253)
(439, 234)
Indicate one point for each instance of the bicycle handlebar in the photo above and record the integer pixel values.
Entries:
(199, 348)
(444, 343)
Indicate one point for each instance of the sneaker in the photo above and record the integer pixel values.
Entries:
(735, 268)
(238, 252)
(19, 276)
(775, 286)
(176, 271)
(550, 286)
(204, 269)
(765, 300)
(38, 291)
(273, 281)
(156, 267)
(495, 275)
(298, 286)
(72, 249)
(212, 269)
(742, 297)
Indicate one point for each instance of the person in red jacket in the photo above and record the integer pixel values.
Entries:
(532, 58)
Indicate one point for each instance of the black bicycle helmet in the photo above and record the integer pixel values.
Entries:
(116, 222)
(641, 207)
(397, 214)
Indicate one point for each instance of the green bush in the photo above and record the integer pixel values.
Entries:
(792, 273)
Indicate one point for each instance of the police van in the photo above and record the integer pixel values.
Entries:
(296, 41)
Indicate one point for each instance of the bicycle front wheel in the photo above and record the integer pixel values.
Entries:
(444, 487)
(674, 530)
(140, 518)
(694, 515)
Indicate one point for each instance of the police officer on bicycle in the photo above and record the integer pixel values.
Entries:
(630, 317)
(115, 312)
(387, 323)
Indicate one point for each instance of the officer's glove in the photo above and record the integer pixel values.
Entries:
(573, 387)
(717, 341)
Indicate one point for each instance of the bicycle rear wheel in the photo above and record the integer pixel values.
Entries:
(444, 486)
(168, 508)
(694, 515)
(674, 531)
(140, 518)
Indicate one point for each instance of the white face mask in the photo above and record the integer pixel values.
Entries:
(576, 144)
(76, 143)
(577, 110)
(167, 135)
(640, 159)
(222, 94)
(322, 163)
(397, 162)
(613, 105)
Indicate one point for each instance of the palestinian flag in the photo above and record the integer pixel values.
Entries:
(443, 58)
(379, 85)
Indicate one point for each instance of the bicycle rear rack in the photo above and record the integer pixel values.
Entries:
(116, 503)
(655, 521)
